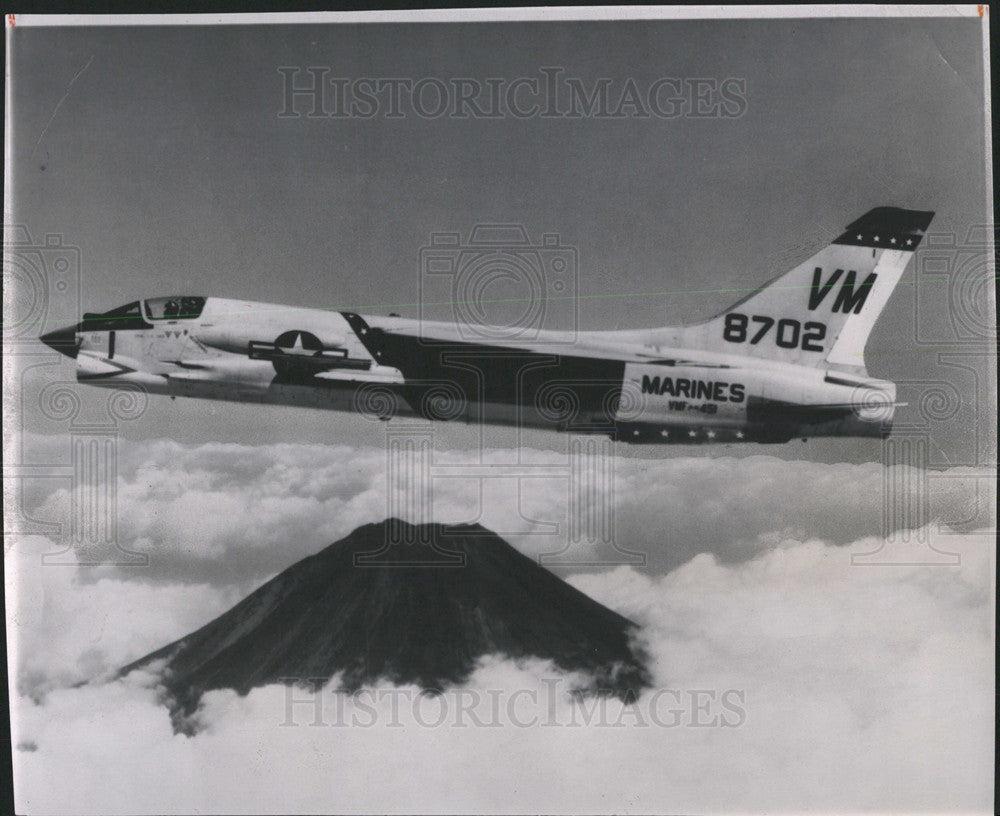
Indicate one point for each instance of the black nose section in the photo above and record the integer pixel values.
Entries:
(62, 340)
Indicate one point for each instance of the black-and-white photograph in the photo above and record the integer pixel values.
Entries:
(566, 410)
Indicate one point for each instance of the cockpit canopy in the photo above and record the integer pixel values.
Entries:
(118, 319)
(177, 307)
(133, 316)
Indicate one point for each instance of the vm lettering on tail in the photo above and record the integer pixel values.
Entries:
(849, 299)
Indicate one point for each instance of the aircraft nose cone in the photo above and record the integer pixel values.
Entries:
(62, 340)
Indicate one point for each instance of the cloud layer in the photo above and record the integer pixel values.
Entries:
(231, 514)
(801, 659)
(849, 688)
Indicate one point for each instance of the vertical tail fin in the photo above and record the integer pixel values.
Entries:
(822, 311)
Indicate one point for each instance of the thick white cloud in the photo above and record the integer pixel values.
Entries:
(227, 513)
(64, 629)
(851, 688)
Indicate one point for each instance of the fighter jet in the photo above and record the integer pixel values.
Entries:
(785, 362)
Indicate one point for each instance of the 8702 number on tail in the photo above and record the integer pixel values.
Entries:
(789, 333)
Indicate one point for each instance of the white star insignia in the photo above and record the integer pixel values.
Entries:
(876, 238)
(739, 434)
(892, 240)
(909, 241)
(691, 433)
(859, 237)
(711, 434)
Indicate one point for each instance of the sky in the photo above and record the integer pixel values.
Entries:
(160, 153)
(842, 590)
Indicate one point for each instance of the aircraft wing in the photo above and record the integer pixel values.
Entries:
(368, 330)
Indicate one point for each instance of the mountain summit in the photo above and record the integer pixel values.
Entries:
(420, 612)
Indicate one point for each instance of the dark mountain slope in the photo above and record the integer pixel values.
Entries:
(366, 610)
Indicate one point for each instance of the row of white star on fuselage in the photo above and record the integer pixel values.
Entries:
(891, 240)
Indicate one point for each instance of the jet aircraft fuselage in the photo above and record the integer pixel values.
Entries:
(785, 362)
